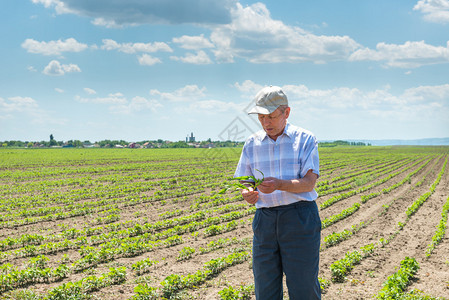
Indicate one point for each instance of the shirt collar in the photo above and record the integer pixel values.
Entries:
(289, 130)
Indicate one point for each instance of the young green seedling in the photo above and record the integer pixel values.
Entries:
(255, 182)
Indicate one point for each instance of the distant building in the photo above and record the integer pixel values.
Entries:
(190, 139)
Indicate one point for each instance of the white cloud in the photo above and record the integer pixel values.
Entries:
(136, 104)
(46, 3)
(200, 58)
(55, 68)
(119, 104)
(59, 90)
(408, 55)
(113, 98)
(343, 99)
(148, 60)
(17, 104)
(253, 35)
(188, 93)
(53, 47)
(438, 93)
(212, 106)
(116, 13)
(131, 48)
(246, 32)
(346, 112)
(90, 91)
(239, 32)
(209, 107)
(59, 5)
(248, 87)
(193, 42)
(411, 105)
(71, 68)
(108, 23)
(27, 111)
(436, 11)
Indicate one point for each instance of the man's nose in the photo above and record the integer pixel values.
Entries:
(266, 121)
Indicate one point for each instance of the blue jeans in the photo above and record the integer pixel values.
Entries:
(287, 240)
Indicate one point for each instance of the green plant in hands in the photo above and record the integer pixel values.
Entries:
(255, 182)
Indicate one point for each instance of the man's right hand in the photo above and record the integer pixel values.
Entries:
(250, 195)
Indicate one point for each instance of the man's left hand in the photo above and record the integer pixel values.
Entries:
(269, 185)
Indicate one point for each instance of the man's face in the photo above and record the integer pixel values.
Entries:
(274, 123)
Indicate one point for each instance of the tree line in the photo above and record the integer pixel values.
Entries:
(342, 143)
(159, 143)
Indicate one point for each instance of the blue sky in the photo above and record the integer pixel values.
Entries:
(143, 69)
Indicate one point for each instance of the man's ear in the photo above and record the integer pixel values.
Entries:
(287, 112)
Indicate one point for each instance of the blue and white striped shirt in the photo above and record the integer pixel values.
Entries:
(291, 156)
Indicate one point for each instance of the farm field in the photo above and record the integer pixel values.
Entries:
(150, 224)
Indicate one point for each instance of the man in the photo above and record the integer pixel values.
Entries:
(286, 226)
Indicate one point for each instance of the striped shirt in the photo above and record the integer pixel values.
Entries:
(291, 156)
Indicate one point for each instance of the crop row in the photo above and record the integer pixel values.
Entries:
(132, 246)
(146, 231)
(396, 283)
(414, 207)
(80, 289)
(21, 205)
(441, 229)
(337, 237)
(342, 196)
(420, 182)
(340, 268)
(345, 163)
(91, 207)
(386, 190)
(355, 170)
(147, 164)
(162, 178)
(100, 233)
(358, 177)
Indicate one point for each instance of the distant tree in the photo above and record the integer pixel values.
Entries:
(179, 144)
(52, 141)
(104, 143)
(340, 142)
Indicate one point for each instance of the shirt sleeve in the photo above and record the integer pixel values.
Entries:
(310, 158)
(243, 167)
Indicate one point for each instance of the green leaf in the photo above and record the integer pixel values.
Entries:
(238, 185)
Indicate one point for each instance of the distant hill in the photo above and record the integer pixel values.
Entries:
(417, 142)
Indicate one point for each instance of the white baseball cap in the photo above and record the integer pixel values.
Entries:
(268, 100)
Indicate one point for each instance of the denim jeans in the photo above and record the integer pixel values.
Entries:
(287, 240)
